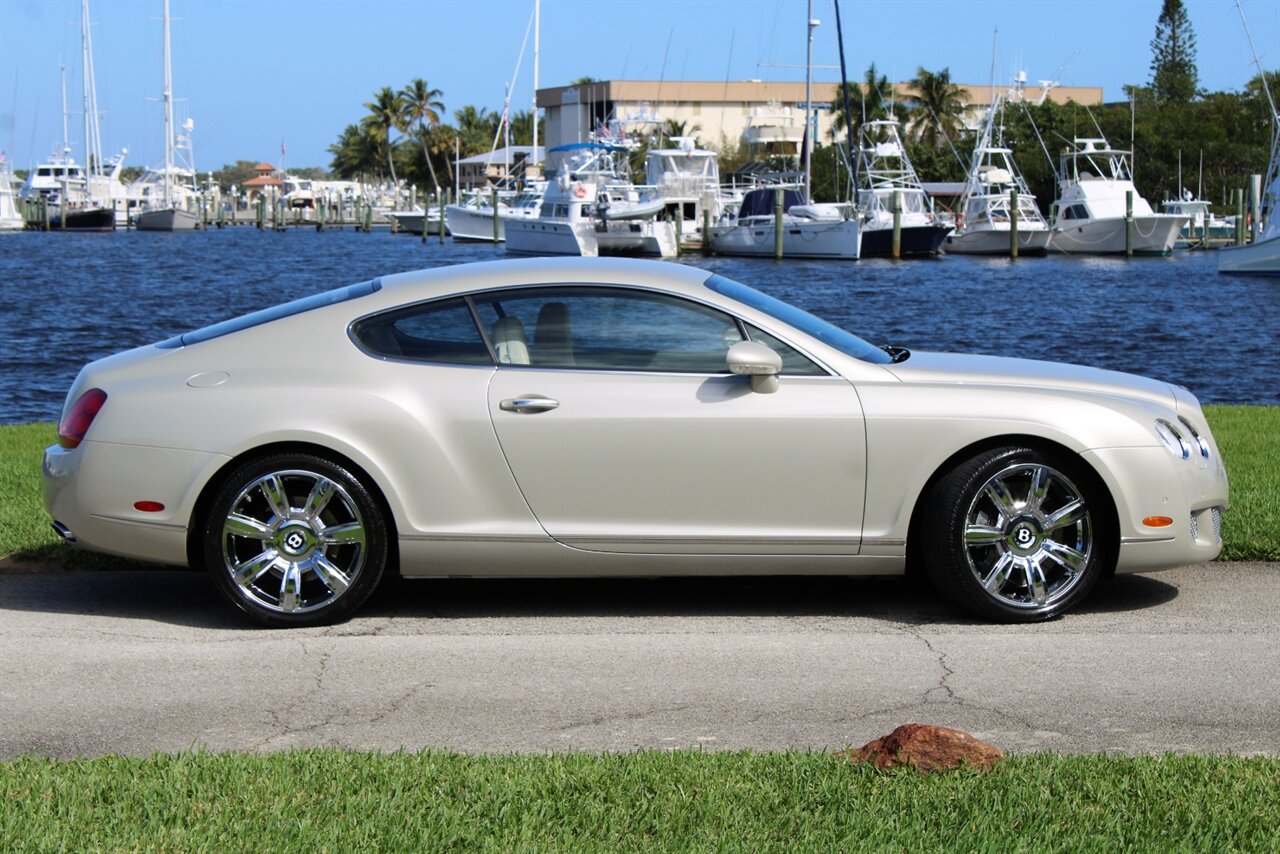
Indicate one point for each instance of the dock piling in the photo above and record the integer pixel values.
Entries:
(1013, 224)
(897, 224)
(777, 224)
(496, 222)
(1128, 223)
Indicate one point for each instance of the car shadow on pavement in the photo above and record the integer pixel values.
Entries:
(188, 598)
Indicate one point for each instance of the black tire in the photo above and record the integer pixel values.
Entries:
(305, 537)
(1017, 535)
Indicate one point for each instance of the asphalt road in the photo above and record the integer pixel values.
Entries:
(138, 662)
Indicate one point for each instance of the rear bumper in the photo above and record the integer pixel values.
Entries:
(90, 493)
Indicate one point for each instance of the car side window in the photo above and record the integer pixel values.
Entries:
(793, 361)
(613, 329)
(431, 332)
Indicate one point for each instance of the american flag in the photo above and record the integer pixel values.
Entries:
(283, 150)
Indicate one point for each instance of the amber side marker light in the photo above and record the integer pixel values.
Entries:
(72, 429)
(148, 506)
(1157, 521)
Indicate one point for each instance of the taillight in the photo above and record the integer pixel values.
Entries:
(73, 427)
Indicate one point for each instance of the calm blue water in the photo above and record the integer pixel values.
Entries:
(66, 299)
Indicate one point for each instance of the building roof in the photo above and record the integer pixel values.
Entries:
(757, 91)
(264, 167)
(262, 181)
(500, 155)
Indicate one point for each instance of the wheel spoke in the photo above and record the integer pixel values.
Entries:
(1035, 581)
(1070, 559)
(1041, 480)
(998, 492)
(1068, 515)
(291, 589)
(999, 575)
(330, 576)
(350, 534)
(273, 491)
(238, 525)
(251, 570)
(982, 535)
(319, 498)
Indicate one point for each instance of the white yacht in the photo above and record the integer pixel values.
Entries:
(808, 230)
(589, 208)
(1203, 224)
(687, 180)
(889, 175)
(984, 212)
(1263, 254)
(1089, 213)
(10, 218)
(414, 220)
(472, 218)
(166, 211)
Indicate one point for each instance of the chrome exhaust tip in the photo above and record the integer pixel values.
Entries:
(63, 531)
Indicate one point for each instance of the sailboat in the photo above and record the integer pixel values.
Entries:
(1263, 254)
(76, 209)
(166, 215)
(808, 230)
(984, 221)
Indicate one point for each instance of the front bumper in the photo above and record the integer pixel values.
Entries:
(1147, 482)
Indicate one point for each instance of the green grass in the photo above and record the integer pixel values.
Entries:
(1249, 437)
(327, 800)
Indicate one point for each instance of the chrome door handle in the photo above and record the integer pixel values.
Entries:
(529, 404)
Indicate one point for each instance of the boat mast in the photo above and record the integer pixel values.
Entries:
(92, 133)
(808, 109)
(66, 143)
(537, 23)
(168, 111)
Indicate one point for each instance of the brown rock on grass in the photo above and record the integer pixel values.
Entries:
(928, 748)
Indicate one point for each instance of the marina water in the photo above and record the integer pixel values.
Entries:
(66, 299)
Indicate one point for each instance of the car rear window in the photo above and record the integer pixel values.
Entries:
(267, 315)
(442, 332)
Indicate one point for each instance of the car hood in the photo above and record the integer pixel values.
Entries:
(1030, 373)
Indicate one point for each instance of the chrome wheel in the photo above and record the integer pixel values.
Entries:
(1028, 536)
(293, 541)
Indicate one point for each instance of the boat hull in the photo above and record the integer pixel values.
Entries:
(89, 219)
(995, 241)
(1152, 235)
(167, 219)
(468, 224)
(411, 222)
(877, 242)
(1260, 258)
(539, 237)
(838, 240)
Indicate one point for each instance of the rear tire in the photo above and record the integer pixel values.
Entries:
(294, 539)
(1017, 535)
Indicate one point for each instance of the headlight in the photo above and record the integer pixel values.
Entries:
(1196, 438)
(1173, 439)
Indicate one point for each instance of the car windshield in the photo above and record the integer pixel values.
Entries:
(267, 315)
(833, 336)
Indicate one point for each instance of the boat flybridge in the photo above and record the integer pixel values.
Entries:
(1089, 216)
(889, 176)
(984, 218)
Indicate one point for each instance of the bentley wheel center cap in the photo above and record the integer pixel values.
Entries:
(1024, 536)
(294, 541)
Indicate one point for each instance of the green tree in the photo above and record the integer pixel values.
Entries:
(939, 109)
(1173, 55)
(422, 105)
(868, 100)
(387, 113)
(476, 129)
(356, 154)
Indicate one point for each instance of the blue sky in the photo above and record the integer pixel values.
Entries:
(255, 72)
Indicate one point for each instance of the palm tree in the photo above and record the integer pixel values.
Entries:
(386, 113)
(868, 100)
(356, 153)
(672, 129)
(476, 127)
(423, 105)
(940, 108)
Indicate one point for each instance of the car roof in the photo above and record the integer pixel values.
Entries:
(530, 271)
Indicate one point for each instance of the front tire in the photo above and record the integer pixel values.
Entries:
(294, 540)
(1017, 535)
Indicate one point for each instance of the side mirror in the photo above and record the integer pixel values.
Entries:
(753, 359)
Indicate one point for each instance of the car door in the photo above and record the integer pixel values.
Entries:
(625, 432)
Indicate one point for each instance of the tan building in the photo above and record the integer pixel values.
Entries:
(767, 116)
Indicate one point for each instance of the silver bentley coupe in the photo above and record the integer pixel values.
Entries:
(584, 417)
